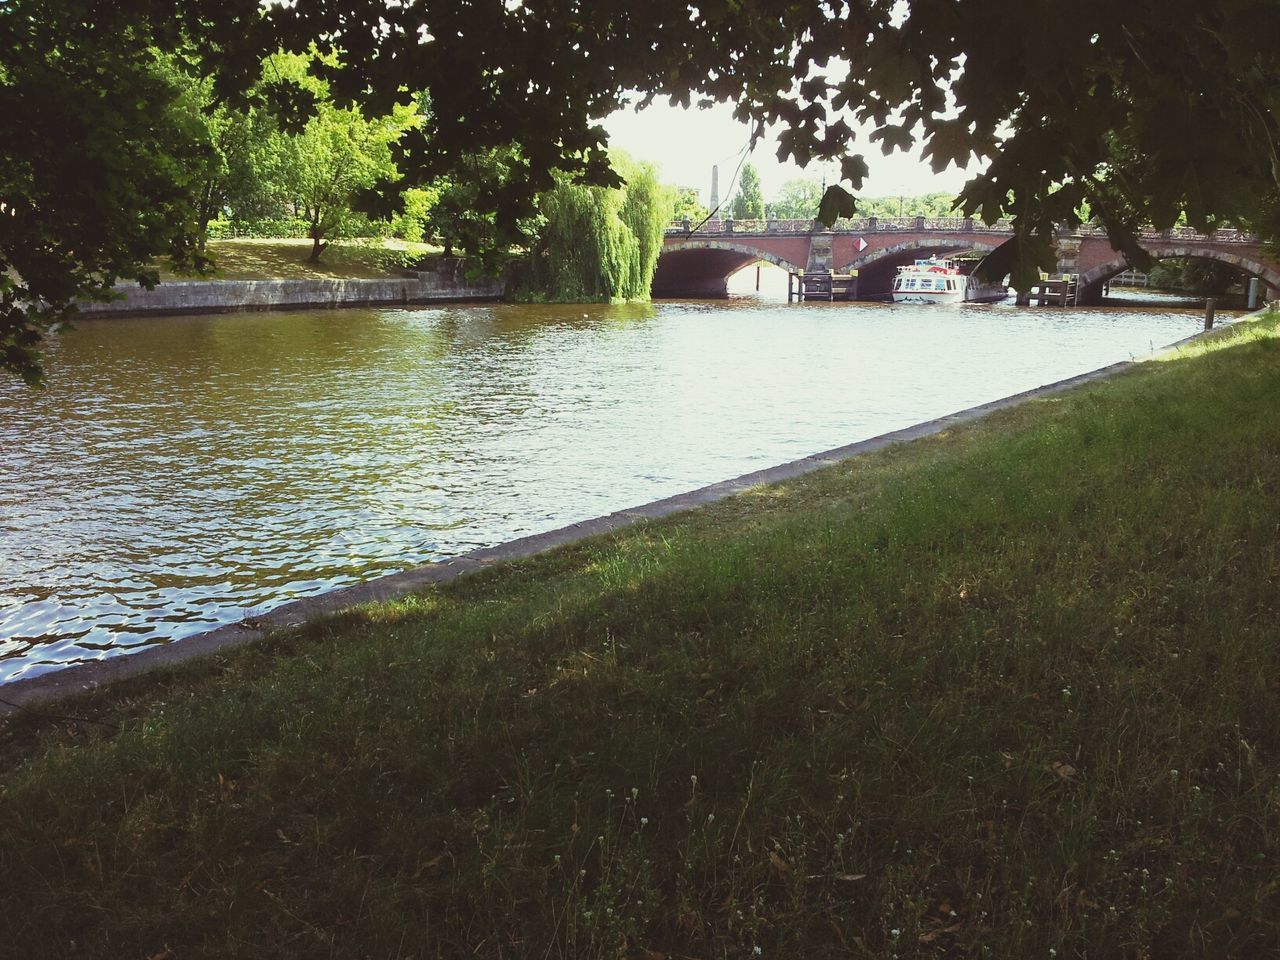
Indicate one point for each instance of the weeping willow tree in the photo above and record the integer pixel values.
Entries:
(601, 243)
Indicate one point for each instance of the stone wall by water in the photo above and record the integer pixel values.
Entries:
(447, 281)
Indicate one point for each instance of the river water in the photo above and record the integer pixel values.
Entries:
(180, 473)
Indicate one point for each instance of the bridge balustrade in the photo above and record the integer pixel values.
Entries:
(1218, 236)
(1223, 235)
(863, 225)
(843, 225)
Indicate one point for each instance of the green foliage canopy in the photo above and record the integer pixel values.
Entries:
(463, 214)
(688, 206)
(97, 175)
(601, 243)
(928, 205)
(229, 174)
(1198, 276)
(796, 200)
(339, 153)
(748, 202)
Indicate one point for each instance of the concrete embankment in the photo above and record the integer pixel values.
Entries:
(445, 281)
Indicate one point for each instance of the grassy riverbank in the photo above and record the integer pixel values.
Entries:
(1006, 692)
(288, 259)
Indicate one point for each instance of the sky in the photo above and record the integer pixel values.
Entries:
(685, 143)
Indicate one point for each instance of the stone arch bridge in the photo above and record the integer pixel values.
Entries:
(698, 263)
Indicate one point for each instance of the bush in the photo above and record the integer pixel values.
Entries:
(257, 229)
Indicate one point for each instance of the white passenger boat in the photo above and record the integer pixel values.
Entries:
(943, 281)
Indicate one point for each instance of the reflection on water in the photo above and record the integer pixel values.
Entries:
(1147, 297)
(184, 472)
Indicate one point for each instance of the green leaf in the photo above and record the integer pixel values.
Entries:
(854, 169)
(1032, 254)
(949, 143)
(290, 103)
(837, 202)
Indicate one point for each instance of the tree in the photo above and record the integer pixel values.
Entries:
(1196, 275)
(928, 205)
(1144, 111)
(463, 216)
(748, 202)
(688, 206)
(97, 173)
(646, 211)
(323, 169)
(235, 180)
(796, 200)
(601, 243)
(339, 154)
(229, 173)
(416, 206)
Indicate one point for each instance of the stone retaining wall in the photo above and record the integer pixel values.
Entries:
(447, 282)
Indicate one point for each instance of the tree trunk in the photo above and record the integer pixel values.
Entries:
(206, 212)
(318, 243)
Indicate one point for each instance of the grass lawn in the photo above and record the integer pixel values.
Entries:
(1008, 692)
(287, 260)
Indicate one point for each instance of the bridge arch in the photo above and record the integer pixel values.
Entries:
(701, 267)
(1092, 280)
(877, 266)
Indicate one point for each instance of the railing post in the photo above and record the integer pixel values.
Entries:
(919, 223)
(967, 226)
(728, 226)
(873, 224)
(688, 226)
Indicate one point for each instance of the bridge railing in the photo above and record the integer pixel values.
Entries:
(864, 225)
(851, 225)
(1226, 235)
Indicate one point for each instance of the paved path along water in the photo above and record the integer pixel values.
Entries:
(185, 472)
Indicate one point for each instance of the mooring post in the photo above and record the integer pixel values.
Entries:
(1210, 306)
(757, 278)
(791, 280)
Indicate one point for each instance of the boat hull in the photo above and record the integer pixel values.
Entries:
(918, 296)
(986, 293)
(974, 293)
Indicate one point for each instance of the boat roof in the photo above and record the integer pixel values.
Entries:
(929, 265)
